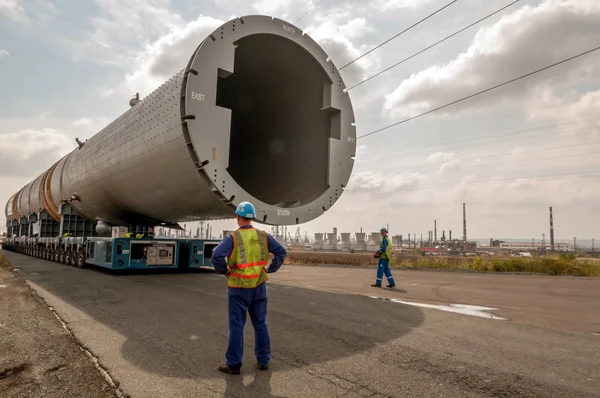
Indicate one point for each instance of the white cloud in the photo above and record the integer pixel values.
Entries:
(369, 180)
(3, 53)
(447, 160)
(440, 157)
(391, 4)
(168, 55)
(123, 27)
(26, 150)
(274, 7)
(573, 106)
(90, 125)
(338, 40)
(13, 9)
(500, 52)
(104, 92)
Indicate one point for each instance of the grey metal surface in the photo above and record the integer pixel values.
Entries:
(35, 203)
(277, 131)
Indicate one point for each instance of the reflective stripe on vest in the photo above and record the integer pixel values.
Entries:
(248, 259)
(388, 250)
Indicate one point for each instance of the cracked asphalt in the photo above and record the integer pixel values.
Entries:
(163, 335)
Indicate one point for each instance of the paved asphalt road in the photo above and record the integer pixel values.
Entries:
(566, 303)
(163, 335)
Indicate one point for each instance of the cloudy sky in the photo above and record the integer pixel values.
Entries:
(67, 68)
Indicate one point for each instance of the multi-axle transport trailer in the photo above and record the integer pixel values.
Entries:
(117, 253)
(259, 113)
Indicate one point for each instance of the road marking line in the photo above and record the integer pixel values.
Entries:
(464, 309)
(596, 334)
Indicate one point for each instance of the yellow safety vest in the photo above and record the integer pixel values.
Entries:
(248, 259)
(388, 250)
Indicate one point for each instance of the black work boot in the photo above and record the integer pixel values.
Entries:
(391, 286)
(375, 285)
(262, 366)
(227, 369)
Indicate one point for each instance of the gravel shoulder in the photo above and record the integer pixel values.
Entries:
(38, 356)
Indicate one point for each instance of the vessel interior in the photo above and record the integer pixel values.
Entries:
(279, 146)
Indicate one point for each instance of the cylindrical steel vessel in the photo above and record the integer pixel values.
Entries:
(259, 113)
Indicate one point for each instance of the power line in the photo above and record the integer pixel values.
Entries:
(398, 34)
(502, 141)
(433, 45)
(586, 174)
(443, 144)
(503, 163)
(508, 133)
(308, 12)
(531, 81)
(480, 92)
(498, 155)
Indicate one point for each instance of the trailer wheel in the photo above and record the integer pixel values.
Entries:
(73, 259)
(67, 257)
(80, 260)
(61, 257)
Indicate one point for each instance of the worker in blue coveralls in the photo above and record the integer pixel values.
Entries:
(247, 251)
(385, 255)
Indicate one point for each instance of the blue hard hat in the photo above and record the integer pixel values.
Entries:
(246, 210)
(382, 230)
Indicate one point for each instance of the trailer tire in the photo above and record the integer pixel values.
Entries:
(80, 260)
(61, 257)
(73, 262)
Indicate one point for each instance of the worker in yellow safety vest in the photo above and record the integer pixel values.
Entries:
(242, 257)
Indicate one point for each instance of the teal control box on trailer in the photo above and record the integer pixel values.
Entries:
(124, 253)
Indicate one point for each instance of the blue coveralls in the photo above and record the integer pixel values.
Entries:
(384, 266)
(253, 301)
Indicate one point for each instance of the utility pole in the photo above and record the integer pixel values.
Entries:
(574, 244)
(592, 245)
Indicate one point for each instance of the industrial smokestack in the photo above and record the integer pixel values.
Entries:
(464, 222)
(551, 230)
(435, 230)
(450, 233)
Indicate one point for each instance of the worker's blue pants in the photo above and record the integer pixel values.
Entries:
(384, 267)
(253, 301)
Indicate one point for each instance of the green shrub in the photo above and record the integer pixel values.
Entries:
(564, 264)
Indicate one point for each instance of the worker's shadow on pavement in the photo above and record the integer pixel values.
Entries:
(259, 387)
